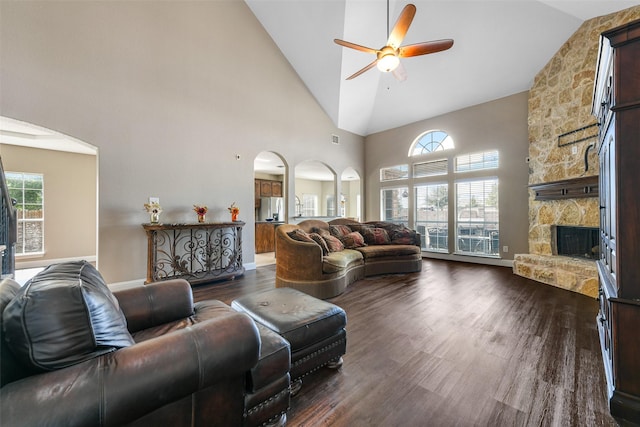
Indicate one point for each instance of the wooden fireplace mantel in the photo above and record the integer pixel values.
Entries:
(567, 189)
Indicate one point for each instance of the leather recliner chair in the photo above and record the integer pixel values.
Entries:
(188, 367)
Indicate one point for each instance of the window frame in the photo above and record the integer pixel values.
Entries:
(479, 233)
(399, 167)
(395, 220)
(440, 234)
(22, 237)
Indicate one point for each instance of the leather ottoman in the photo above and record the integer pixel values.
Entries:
(315, 329)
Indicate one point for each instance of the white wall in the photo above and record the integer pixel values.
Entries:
(170, 93)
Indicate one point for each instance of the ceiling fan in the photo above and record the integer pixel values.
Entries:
(388, 57)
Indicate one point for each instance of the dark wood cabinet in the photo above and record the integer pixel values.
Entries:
(265, 188)
(276, 189)
(257, 193)
(616, 105)
(265, 237)
(268, 188)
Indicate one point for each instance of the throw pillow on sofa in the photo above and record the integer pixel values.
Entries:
(375, 236)
(398, 233)
(300, 235)
(333, 243)
(339, 231)
(64, 315)
(353, 240)
(320, 241)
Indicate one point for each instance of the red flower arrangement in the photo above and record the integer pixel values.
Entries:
(200, 210)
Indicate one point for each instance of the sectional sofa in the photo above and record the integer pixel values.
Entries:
(322, 258)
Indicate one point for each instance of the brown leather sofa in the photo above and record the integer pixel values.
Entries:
(190, 365)
(308, 267)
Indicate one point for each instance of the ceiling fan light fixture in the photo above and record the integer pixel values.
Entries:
(388, 63)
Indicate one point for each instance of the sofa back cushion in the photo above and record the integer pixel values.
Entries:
(64, 315)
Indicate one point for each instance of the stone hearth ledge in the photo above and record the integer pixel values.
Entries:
(573, 274)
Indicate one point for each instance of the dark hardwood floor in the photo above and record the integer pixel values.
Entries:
(455, 345)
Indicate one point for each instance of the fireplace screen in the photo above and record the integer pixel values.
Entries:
(580, 242)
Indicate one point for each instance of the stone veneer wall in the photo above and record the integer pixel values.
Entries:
(559, 102)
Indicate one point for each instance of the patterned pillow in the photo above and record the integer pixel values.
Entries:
(375, 236)
(333, 243)
(353, 240)
(321, 231)
(319, 240)
(404, 236)
(339, 230)
(300, 235)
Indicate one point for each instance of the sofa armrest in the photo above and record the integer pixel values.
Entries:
(150, 305)
(121, 386)
(296, 260)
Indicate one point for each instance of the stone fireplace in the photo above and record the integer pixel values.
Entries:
(559, 106)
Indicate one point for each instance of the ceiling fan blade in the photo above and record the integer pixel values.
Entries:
(355, 46)
(367, 68)
(424, 48)
(400, 73)
(402, 26)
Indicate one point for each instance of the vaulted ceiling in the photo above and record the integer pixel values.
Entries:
(499, 48)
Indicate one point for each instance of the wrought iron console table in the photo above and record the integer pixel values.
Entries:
(199, 253)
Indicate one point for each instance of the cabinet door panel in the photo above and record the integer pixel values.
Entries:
(276, 189)
(265, 189)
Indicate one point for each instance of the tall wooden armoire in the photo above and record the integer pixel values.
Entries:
(616, 105)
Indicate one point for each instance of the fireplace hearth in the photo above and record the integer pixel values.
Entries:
(574, 241)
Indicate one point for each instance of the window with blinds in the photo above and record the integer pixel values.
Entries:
(432, 216)
(395, 205)
(28, 191)
(433, 168)
(394, 173)
(477, 217)
(477, 161)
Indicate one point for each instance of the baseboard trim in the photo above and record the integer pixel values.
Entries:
(471, 259)
(21, 265)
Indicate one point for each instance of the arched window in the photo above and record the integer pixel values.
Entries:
(428, 142)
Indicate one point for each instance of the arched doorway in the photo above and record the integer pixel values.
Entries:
(270, 172)
(350, 195)
(315, 185)
(68, 170)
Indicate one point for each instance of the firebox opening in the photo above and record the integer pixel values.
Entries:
(579, 242)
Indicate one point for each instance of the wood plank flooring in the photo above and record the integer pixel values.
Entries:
(455, 345)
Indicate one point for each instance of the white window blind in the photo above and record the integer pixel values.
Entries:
(477, 161)
(393, 173)
(433, 168)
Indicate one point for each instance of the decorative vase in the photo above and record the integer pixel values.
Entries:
(201, 218)
(155, 217)
(234, 217)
